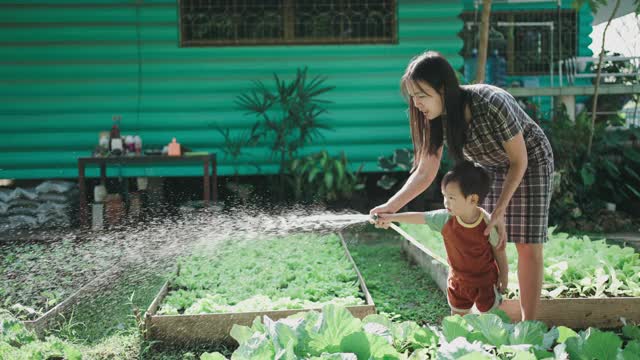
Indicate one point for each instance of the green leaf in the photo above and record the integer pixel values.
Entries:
(633, 190)
(212, 356)
(328, 180)
(421, 354)
(338, 356)
(403, 158)
(380, 325)
(491, 327)
(71, 353)
(241, 333)
(588, 175)
(453, 327)
(593, 344)
(386, 164)
(312, 174)
(459, 348)
(528, 332)
(560, 351)
(565, 333)
(386, 182)
(257, 347)
(403, 332)
(367, 346)
(424, 337)
(601, 345)
(631, 351)
(631, 331)
(502, 315)
(337, 323)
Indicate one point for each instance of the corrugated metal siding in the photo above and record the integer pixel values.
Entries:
(68, 66)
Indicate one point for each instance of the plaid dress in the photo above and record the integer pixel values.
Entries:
(496, 118)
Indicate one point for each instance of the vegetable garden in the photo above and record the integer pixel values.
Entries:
(346, 295)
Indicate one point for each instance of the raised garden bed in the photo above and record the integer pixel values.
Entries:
(188, 324)
(472, 337)
(44, 322)
(574, 312)
(42, 278)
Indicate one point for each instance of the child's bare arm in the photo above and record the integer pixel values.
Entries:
(503, 268)
(405, 218)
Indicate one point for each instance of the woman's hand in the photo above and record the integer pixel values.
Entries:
(497, 220)
(377, 215)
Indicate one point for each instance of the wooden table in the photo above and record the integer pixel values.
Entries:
(210, 180)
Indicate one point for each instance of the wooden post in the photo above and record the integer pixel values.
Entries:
(484, 41)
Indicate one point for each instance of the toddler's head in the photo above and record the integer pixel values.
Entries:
(465, 187)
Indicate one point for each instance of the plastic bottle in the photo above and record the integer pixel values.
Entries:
(137, 141)
(499, 70)
(174, 148)
(470, 66)
(129, 144)
(115, 141)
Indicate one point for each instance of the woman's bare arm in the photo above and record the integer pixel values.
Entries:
(418, 182)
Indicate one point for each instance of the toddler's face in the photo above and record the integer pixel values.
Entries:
(454, 201)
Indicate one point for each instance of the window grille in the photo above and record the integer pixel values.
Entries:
(286, 22)
(528, 40)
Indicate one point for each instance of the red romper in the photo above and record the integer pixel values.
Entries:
(473, 273)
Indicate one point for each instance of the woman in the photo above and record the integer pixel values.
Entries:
(483, 124)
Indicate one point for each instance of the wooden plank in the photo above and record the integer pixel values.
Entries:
(576, 313)
(574, 90)
(41, 324)
(208, 328)
(363, 286)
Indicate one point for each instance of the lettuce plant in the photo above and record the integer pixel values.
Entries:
(573, 266)
(292, 272)
(336, 334)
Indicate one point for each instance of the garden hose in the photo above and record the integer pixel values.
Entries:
(410, 239)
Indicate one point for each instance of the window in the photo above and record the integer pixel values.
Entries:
(527, 39)
(284, 22)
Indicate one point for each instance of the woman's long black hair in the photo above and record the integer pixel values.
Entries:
(427, 136)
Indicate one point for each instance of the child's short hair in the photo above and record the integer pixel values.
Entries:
(472, 179)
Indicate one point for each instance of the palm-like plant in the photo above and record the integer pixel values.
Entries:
(288, 116)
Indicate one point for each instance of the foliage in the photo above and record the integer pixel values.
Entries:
(401, 159)
(234, 145)
(16, 342)
(573, 266)
(288, 117)
(594, 5)
(322, 177)
(292, 272)
(399, 289)
(40, 275)
(609, 105)
(585, 183)
(336, 334)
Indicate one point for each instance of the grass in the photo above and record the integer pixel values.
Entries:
(398, 287)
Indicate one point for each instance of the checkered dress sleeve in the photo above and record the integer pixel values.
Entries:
(504, 114)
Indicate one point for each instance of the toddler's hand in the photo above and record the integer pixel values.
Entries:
(381, 221)
(503, 283)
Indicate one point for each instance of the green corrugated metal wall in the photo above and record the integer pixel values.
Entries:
(68, 66)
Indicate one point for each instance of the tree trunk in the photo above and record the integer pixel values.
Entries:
(594, 107)
(484, 41)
